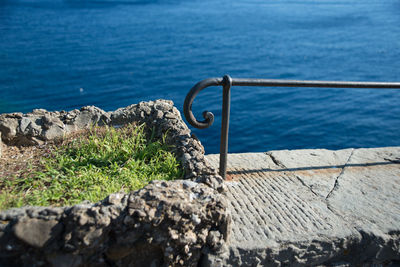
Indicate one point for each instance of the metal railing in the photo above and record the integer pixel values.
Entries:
(227, 82)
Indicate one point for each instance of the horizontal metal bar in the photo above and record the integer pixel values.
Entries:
(327, 84)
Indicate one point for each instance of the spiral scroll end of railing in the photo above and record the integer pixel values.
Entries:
(187, 106)
(209, 117)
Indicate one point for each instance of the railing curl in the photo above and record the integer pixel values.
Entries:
(227, 82)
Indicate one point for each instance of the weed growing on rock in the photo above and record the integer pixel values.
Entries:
(101, 161)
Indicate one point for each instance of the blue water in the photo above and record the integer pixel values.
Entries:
(58, 54)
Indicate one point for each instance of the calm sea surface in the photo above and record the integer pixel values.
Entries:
(58, 54)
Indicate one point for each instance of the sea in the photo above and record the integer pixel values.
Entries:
(65, 54)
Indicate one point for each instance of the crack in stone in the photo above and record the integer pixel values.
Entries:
(340, 174)
(309, 187)
(280, 164)
(395, 160)
(275, 160)
(328, 206)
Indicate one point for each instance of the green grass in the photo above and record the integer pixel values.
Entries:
(105, 161)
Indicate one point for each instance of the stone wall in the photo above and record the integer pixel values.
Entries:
(164, 224)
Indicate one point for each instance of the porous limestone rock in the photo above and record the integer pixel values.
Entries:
(164, 224)
(42, 125)
(36, 232)
(9, 125)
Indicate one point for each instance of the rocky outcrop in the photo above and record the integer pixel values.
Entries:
(41, 125)
(164, 224)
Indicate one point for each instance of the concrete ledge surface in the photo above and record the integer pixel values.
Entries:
(313, 207)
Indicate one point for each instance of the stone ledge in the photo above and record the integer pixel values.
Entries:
(313, 207)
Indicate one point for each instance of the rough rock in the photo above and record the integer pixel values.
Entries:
(165, 223)
(36, 232)
(8, 126)
(42, 125)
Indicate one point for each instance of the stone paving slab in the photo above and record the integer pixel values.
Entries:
(367, 192)
(317, 168)
(312, 207)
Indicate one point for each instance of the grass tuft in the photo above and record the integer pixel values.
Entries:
(103, 161)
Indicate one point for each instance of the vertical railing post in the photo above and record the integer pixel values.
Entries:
(226, 102)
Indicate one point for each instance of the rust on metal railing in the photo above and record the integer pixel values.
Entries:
(227, 82)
